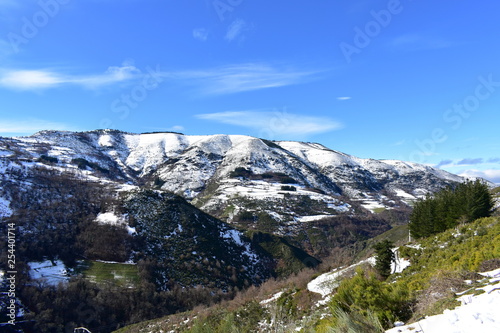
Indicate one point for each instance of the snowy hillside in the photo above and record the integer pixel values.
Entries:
(476, 313)
(201, 168)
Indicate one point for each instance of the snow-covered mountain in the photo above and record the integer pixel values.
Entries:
(222, 173)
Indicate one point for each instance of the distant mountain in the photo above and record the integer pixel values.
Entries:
(280, 187)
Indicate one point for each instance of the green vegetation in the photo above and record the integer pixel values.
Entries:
(363, 303)
(288, 188)
(48, 159)
(364, 293)
(240, 172)
(439, 267)
(123, 275)
(385, 257)
(449, 207)
(289, 259)
(83, 164)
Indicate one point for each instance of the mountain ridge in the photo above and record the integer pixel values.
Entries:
(234, 176)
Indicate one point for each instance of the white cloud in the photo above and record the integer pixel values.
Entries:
(277, 123)
(44, 79)
(200, 34)
(30, 79)
(177, 128)
(344, 98)
(244, 77)
(31, 125)
(490, 174)
(235, 29)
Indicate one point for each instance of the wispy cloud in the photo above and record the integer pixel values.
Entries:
(222, 80)
(470, 161)
(275, 123)
(444, 163)
(200, 34)
(31, 125)
(344, 98)
(44, 78)
(235, 30)
(243, 77)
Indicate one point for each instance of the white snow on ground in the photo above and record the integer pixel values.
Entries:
(480, 313)
(405, 197)
(110, 218)
(106, 141)
(262, 190)
(372, 205)
(234, 235)
(311, 218)
(131, 231)
(272, 299)
(5, 211)
(53, 274)
(403, 194)
(327, 282)
(399, 264)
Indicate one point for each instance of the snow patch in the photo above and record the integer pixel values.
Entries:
(272, 299)
(399, 264)
(110, 218)
(234, 235)
(5, 210)
(311, 218)
(106, 141)
(327, 282)
(478, 313)
(52, 272)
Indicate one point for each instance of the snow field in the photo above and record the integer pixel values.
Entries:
(327, 282)
(478, 313)
(52, 273)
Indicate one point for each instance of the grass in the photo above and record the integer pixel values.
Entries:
(124, 275)
(397, 235)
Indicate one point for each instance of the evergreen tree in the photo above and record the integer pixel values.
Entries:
(385, 257)
(465, 203)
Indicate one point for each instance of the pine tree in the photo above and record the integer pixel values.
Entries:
(385, 257)
(465, 203)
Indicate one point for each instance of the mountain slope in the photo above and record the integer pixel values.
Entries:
(201, 167)
(288, 189)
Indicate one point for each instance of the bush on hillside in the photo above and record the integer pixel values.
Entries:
(363, 294)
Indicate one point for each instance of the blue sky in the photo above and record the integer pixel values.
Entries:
(411, 80)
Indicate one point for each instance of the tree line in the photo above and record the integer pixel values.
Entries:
(449, 207)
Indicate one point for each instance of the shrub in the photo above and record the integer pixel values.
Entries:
(362, 294)
(48, 159)
(288, 188)
(240, 172)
